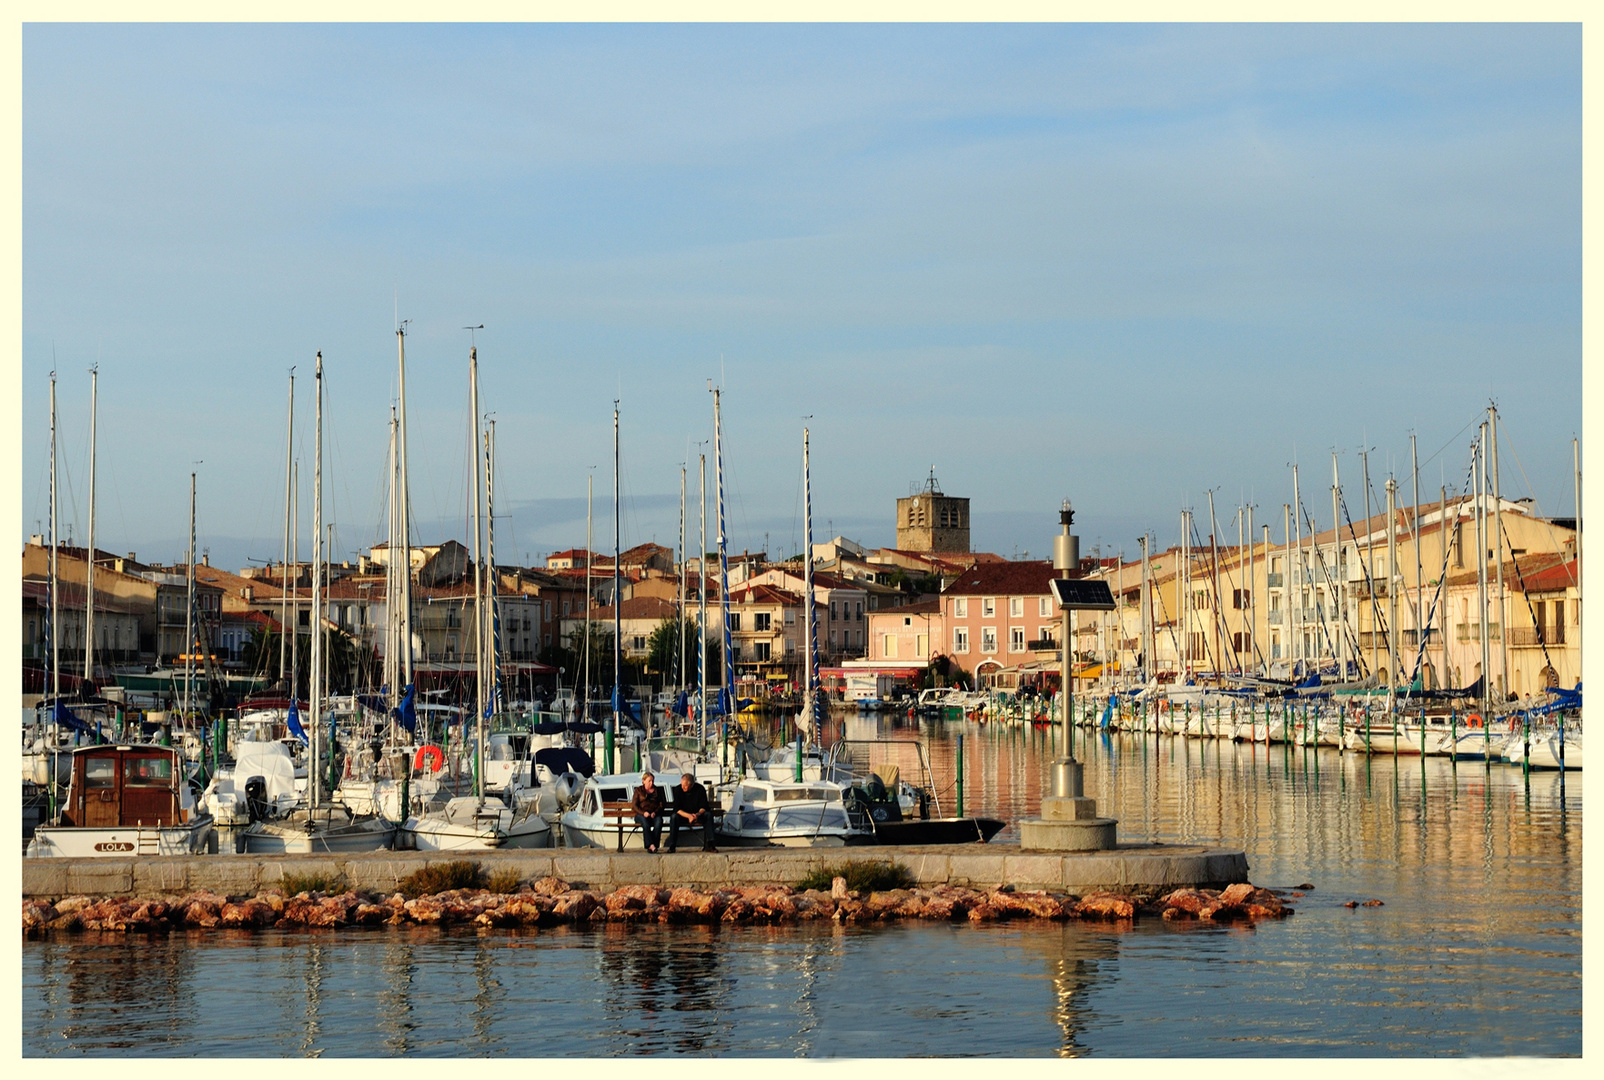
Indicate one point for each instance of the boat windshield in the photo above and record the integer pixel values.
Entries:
(100, 772)
(148, 771)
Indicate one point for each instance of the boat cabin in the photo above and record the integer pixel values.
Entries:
(126, 786)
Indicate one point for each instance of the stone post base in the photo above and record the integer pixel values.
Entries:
(1069, 820)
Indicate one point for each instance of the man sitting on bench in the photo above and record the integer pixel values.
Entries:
(649, 811)
(690, 810)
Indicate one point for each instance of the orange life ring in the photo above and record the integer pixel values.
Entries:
(1514, 724)
(430, 753)
(1472, 721)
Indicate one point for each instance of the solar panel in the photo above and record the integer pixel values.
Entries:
(1082, 595)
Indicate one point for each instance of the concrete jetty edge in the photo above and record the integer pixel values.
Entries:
(1133, 869)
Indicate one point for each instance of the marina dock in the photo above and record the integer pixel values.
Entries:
(1130, 868)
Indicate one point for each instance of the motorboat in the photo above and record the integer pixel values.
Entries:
(594, 819)
(762, 813)
(476, 823)
(126, 799)
(227, 798)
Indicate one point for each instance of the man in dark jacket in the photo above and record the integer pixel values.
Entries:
(649, 811)
(690, 810)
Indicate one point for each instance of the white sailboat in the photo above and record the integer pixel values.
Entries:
(477, 822)
(317, 826)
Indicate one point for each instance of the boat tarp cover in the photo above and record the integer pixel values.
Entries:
(561, 759)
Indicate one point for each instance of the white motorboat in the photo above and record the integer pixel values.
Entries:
(594, 819)
(472, 823)
(318, 830)
(226, 797)
(128, 799)
(760, 813)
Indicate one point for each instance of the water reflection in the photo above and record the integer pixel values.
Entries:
(664, 988)
(1073, 957)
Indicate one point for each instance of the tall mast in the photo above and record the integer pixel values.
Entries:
(1253, 596)
(1392, 583)
(295, 598)
(1340, 594)
(1185, 579)
(1246, 590)
(1300, 647)
(1214, 585)
(1497, 544)
(1149, 661)
(1576, 470)
(478, 563)
(679, 628)
(315, 712)
(403, 509)
(492, 584)
(1481, 570)
(809, 688)
(701, 613)
(1370, 565)
(1286, 589)
(728, 679)
(392, 664)
(590, 482)
(55, 596)
(1414, 533)
(189, 610)
(286, 631)
(89, 588)
(618, 596)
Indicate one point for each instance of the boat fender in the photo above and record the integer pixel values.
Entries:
(432, 754)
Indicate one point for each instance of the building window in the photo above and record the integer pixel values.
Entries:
(960, 607)
(860, 610)
(889, 641)
(1240, 599)
(988, 607)
(960, 640)
(1016, 606)
(760, 651)
(1046, 633)
(832, 609)
(735, 622)
(988, 639)
(1016, 639)
(637, 643)
(1044, 606)
(760, 621)
(921, 645)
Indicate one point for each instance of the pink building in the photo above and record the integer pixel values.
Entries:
(1000, 615)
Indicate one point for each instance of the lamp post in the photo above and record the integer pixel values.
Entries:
(1066, 560)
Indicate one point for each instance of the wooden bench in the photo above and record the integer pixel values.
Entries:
(621, 816)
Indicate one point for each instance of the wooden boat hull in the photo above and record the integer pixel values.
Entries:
(195, 837)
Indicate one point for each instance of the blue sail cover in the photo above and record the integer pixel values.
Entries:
(621, 704)
(293, 720)
(406, 713)
(65, 717)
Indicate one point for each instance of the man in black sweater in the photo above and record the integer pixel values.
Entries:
(690, 810)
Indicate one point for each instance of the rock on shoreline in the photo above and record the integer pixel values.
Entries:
(553, 902)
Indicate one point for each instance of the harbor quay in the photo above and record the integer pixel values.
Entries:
(1141, 870)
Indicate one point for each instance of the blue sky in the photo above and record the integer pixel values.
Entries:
(1126, 264)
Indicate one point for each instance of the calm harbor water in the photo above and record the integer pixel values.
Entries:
(1475, 951)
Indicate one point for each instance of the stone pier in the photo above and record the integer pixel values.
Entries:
(1135, 869)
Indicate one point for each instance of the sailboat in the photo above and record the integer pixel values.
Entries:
(477, 822)
(317, 826)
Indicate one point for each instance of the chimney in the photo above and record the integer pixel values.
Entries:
(248, 592)
(206, 559)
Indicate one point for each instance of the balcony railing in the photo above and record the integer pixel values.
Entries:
(1537, 635)
(1275, 580)
(1472, 632)
(1042, 645)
